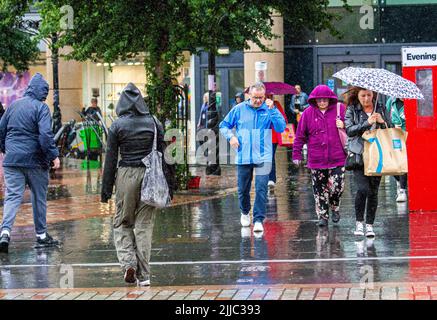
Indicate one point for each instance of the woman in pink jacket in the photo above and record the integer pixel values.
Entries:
(318, 128)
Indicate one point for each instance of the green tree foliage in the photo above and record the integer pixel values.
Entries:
(108, 30)
(17, 47)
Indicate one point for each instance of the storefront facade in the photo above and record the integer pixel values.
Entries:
(373, 35)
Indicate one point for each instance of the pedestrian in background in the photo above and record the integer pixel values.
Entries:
(26, 139)
(132, 136)
(395, 108)
(239, 98)
(362, 114)
(272, 175)
(299, 102)
(318, 128)
(202, 122)
(253, 120)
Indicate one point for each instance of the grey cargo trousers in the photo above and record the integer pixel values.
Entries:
(133, 222)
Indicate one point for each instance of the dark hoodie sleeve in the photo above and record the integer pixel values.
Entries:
(169, 170)
(45, 138)
(110, 168)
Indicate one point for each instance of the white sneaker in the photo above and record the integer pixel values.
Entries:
(369, 231)
(144, 283)
(258, 227)
(402, 196)
(359, 229)
(245, 232)
(245, 220)
(271, 184)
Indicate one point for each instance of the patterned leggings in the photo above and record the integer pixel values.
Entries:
(328, 186)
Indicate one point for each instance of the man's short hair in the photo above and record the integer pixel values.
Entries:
(258, 86)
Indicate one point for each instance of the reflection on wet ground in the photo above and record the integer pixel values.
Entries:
(203, 243)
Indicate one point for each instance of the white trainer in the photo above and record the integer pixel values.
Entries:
(245, 232)
(144, 283)
(402, 196)
(271, 183)
(245, 220)
(359, 229)
(369, 231)
(258, 227)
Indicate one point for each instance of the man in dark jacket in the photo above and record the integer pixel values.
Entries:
(26, 139)
(132, 135)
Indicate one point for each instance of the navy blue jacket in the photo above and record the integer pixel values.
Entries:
(26, 136)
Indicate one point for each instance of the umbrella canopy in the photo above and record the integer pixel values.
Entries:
(381, 81)
(277, 88)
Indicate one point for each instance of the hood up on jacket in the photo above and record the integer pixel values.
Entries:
(131, 102)
(38, 88)
(322, 91)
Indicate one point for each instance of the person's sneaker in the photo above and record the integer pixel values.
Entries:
(359, 229)
(335, 216)
(245, 232)
(245, 220)
(4, 243)
(271, 184)
(322, 222)
(143, 283)
(258, 227)
(369, 231)
(48, 241)
(130, 275)
(402, 196)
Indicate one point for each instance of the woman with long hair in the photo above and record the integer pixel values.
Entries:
(363, 113)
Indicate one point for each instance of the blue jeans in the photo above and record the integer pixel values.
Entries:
(272, 176)
(15, 182)
(245, 175)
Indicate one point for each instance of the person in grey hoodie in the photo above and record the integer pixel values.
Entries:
(26, 139)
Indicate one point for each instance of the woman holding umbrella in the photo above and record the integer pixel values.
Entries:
(362, 114)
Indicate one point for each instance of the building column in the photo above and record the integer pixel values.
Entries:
(275, 60)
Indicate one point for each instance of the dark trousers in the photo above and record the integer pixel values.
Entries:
(402, 180)
(367, 194)
(272, 175)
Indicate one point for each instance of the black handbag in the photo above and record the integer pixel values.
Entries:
(353, 161)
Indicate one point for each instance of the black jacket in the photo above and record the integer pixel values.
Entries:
(132, 135)
(356, 124)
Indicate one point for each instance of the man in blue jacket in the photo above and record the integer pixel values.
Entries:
(253, 119)
(26, 139)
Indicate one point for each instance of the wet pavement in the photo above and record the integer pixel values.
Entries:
(202, 244)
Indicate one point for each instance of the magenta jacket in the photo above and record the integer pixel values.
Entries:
(320, 132)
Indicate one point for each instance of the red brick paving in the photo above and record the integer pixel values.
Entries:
(381, 291)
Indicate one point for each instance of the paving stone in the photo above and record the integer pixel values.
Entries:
(242, 294)
(86, 296)
(258, 294)
(226, 295)
(290, 294)
(274, 294)
(307, 294)
(388, 294)
(180, 295)
(164, 295)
